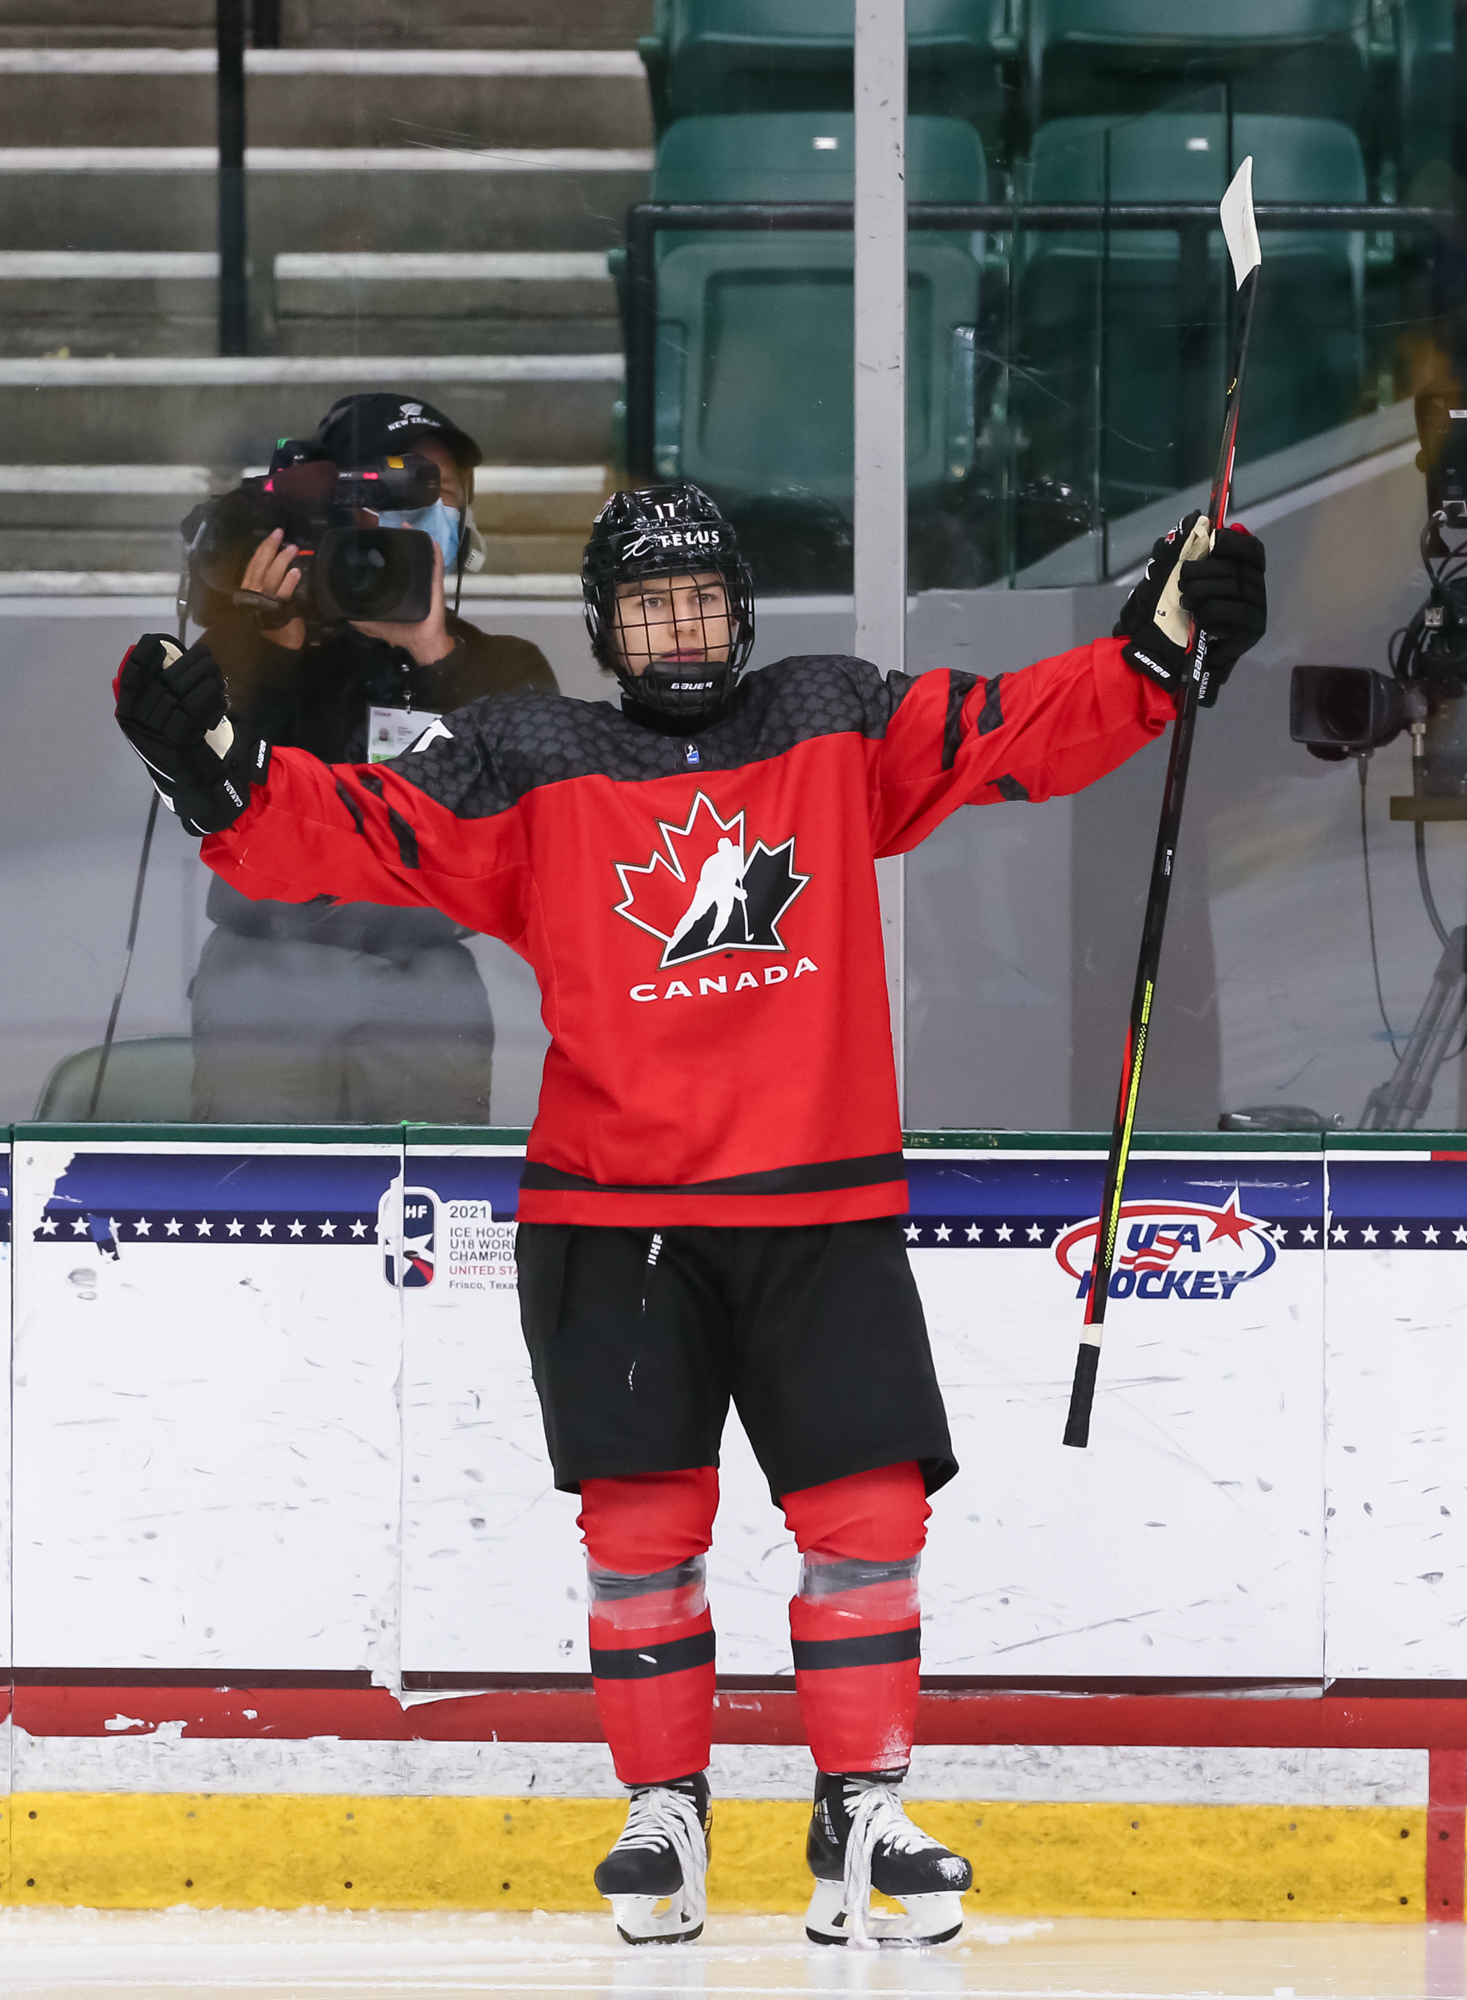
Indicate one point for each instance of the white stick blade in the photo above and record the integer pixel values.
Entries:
(1240, 229)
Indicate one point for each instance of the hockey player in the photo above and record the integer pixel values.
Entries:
(710, 1200)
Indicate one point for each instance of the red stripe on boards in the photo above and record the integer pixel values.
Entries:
(1446, 1824)
(770, 1716)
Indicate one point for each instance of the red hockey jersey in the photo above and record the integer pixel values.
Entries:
(700, 911)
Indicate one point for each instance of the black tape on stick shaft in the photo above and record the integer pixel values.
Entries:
(1082, 1395)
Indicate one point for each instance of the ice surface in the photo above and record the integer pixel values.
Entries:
(319, 1955)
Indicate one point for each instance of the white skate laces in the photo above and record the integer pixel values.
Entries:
(661, 1818)
(877, 1815)
(879, 1849)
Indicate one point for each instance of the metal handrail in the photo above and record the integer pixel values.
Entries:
(647, 219)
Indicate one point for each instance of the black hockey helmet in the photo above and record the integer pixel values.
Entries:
(673, 530)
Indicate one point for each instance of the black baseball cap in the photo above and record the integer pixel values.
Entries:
(359, 428)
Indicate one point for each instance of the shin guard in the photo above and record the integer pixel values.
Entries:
(855, 1623)
(651, 1634)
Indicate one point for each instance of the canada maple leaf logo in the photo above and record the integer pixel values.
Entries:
(703, 891)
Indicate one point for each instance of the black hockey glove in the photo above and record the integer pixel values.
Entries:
(1225, 594)
(171, 708)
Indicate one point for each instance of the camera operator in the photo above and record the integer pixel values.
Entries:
(351, 1012)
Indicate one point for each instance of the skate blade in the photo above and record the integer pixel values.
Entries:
(926, 1920)
(653, 1920)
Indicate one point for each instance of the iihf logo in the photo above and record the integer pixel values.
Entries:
(408, 1216)
(704, 892)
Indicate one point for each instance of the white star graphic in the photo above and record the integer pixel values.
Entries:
(942, 1232)
(1369, 1234)
(1430, 1235)
(48, 1225)
(1460, 1235)
(143, 1226)
(914, 1234)
(297, 1229)
(267, 1228)
(1339, 1234)
(236, 1228)
(1308, 1235)
(204, 1228)
(1034, 1233)
(1400, 1235)
(328, 1228)
(173, 1226)
(359, 1229)
(78, 1225)
(1003, 1232)
(974, 1232)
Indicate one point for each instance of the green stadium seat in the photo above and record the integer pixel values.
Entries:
(1424, 54)
(1122, 57)
(755, 338)
(710, 57)
(147, 1081)
(1160, 346)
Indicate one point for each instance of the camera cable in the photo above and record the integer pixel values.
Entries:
(132, 938)
(1444, 936)
(137, 895)
(1363, 764)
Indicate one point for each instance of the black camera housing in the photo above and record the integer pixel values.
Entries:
(1339, 712)
(351, 570)
(1443, 456)
(373, 573)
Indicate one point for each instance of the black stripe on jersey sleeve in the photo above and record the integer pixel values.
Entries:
(818, 1177)
(992, 714)
(866, 1649)
(407, 840)
(959, 687)
(352, 807)
(645, 1663)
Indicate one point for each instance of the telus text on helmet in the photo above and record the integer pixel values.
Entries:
(692, 538)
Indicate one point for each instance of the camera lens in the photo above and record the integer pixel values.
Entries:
(1345, 709)
(367, 572)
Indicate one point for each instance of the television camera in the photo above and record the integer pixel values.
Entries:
(1340, 712)
(351, 569)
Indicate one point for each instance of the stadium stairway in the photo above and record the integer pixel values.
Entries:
(428, 214)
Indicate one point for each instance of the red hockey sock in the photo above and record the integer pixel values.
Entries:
(855, 1624)
(651, 1635)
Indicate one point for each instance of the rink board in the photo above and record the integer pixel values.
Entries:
(273, 1414)
(289, 1569)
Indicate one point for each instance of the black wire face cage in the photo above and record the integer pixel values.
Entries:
(713, 638)
(705, 615)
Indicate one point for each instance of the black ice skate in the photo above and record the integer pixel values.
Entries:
(654, 1876)
(861, 1839)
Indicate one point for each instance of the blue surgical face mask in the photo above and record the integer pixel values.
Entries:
(436, 521)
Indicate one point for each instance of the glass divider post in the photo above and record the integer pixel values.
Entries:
(880, 403)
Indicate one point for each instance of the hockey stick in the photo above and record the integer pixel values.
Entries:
(1240, 233)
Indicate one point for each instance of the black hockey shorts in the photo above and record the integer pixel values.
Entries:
(640, 1340)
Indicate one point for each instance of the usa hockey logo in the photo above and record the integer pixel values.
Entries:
(704, 891)
(1174, 1250)
(414, 1228)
